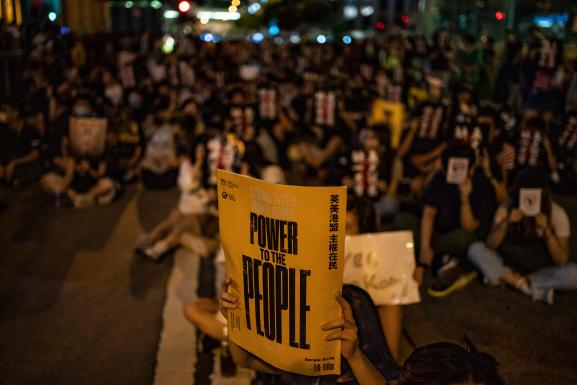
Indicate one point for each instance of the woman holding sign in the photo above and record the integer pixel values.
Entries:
(528, 245)
(438, 363)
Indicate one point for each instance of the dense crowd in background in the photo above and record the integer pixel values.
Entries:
(317, 114)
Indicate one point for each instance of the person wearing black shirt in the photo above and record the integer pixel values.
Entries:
(452, 215)
(19, 146)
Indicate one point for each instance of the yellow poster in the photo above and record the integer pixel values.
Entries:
(391, 114)
(284, 248)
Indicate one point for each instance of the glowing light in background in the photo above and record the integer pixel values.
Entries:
(367, 10)
(295, 39)
(347, 39)
(156, 4)
(168, 44)
(321, 39)
(253, 8)
(184, 6)
(129, 4)
(350, 12)
(207, 37)
(170, 14)
(257, 38)
(52, 16)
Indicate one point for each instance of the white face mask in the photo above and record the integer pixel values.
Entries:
(81, 110)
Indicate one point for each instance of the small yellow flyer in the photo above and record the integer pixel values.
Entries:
(284, 248)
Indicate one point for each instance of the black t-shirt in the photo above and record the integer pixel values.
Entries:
(446, 198)
(530, 148)
(16, 144)
(57, 130)
(430, 132)
(366, 168)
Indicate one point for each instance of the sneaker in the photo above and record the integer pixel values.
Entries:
(444, 287)
(107, 199)
(143, 242)
(156, 251)
(447, 266)
(544, 295)
(83, 201)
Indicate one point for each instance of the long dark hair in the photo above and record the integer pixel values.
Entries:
(364, 209)
(446, 363)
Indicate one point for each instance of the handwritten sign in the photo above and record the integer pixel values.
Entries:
(530, 201)
(382, 264)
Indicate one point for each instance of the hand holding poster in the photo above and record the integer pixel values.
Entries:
(87, 136)
(382, 264)
(284, 249)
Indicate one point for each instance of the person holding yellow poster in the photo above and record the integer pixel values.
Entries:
(284, 250)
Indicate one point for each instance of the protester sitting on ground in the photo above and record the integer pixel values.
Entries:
(58, 158)
(124, 148)
(159, 166)
(533, 146)
(371, 174)
(89, 184)
(424, 141)
(438, 363)
(361, 219)
(19, 147)
(452, 214)
(190, 219)
(528, 250)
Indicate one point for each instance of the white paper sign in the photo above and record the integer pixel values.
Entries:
(530, 201)
(457, 170)
(88, 136)
(382, 264)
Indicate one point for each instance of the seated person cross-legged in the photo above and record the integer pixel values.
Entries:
(528, 247)
(453, 209)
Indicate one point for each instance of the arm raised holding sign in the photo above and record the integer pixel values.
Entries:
(343, 329)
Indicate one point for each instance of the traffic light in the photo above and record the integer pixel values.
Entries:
(499, 15)
(184, 6)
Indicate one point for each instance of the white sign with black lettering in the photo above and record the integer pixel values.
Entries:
(530, 201)
(382, 264)
(457, 170)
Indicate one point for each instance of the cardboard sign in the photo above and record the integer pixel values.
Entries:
(383, 265)
(286, 264)
(391, 114)
(530, 201)
(457, 170)
(88, 136)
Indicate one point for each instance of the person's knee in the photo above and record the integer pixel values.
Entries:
(571, 271)
(105, 184)
(52, 183)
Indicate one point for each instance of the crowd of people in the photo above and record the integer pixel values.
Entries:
(483, 135)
